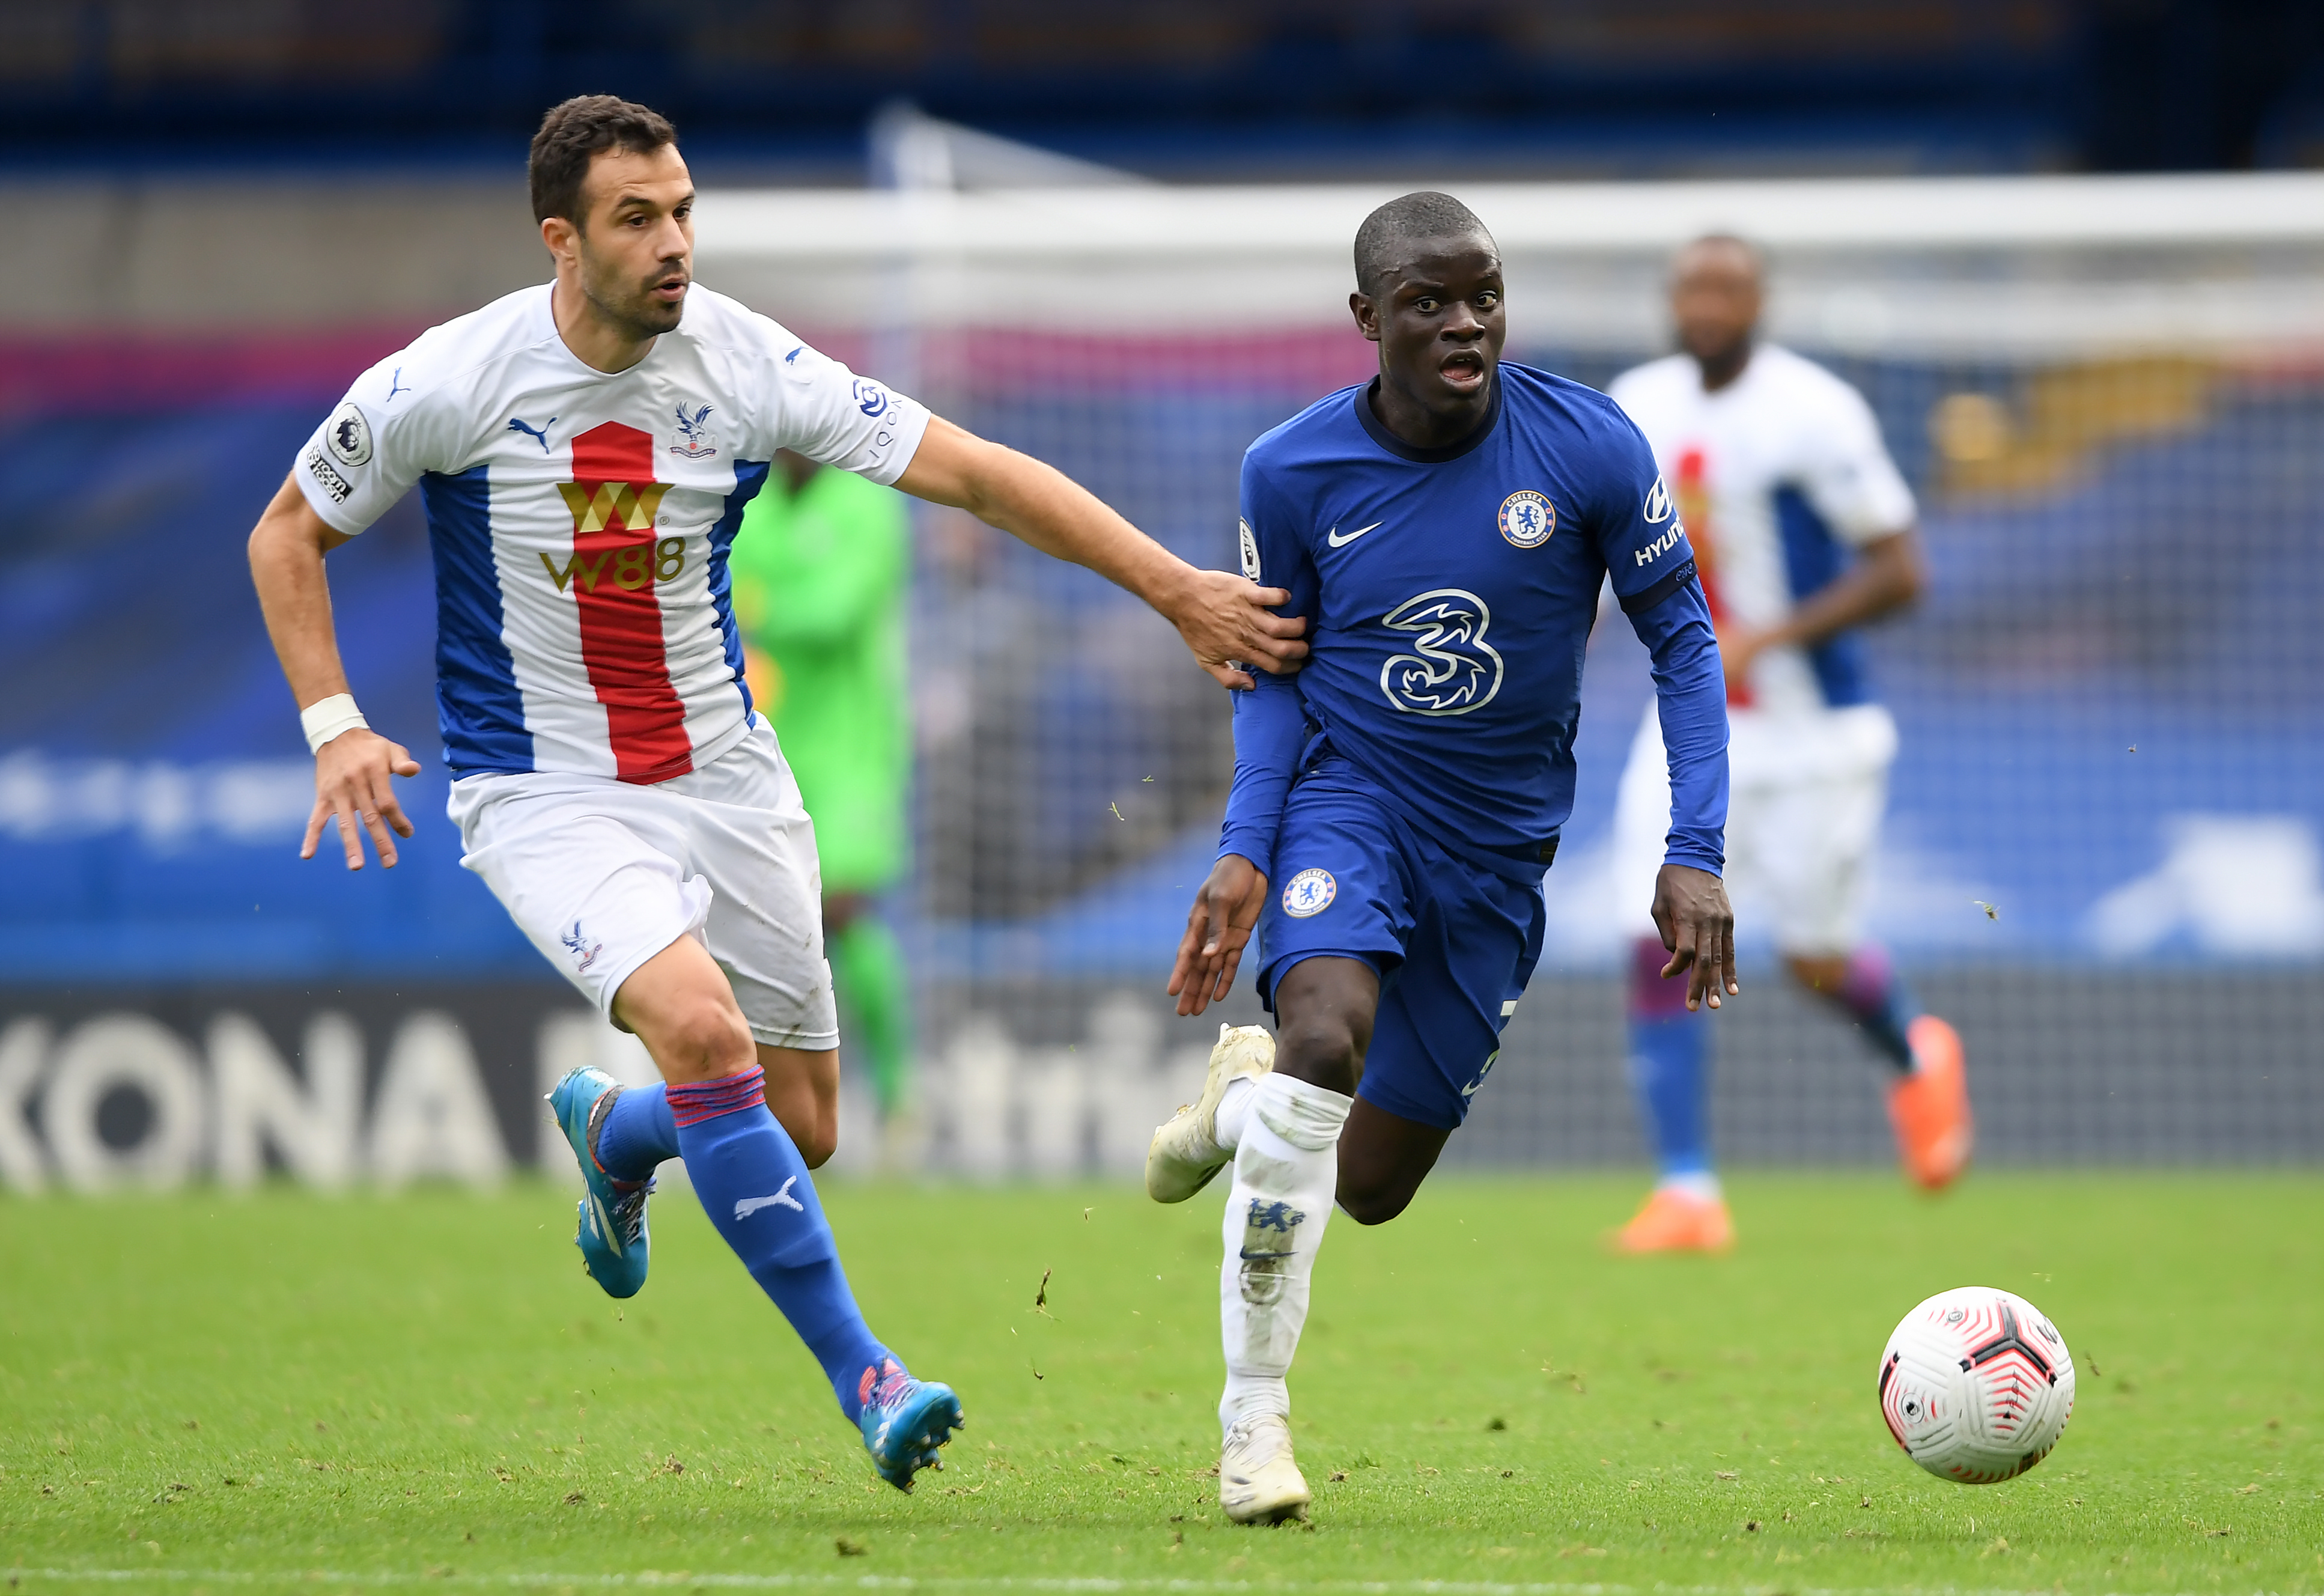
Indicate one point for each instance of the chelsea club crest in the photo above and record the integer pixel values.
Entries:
(1310, 893)
(1527, 519)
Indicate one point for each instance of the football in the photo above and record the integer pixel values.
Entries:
(1976, 1385)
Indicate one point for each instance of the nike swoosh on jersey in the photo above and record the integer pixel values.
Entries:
(1337, 542)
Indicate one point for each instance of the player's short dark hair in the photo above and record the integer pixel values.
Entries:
(576, 133)
(1719, 240)
(1424, 215)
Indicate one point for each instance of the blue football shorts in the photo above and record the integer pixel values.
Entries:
(1454, 943)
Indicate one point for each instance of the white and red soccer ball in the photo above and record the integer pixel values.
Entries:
(1976, 1385)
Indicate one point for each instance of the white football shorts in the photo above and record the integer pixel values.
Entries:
(602, 875)
(1804, 799)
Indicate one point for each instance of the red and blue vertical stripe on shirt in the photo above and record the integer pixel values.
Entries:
(614, 496)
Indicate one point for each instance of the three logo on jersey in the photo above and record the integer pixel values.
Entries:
(1451, 669)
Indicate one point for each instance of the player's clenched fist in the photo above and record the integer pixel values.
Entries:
(1698, 929)
(351, 782)
(1225, 913)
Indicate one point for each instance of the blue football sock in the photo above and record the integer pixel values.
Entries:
(755, 1187)
(638, 1135)
(1666, 1060)
(1668, 1049)
(1876, 998)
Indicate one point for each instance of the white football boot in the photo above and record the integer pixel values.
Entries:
(1258, 1484)
(1186, 1153)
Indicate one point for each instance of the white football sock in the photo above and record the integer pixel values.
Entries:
(1701, 1184)
(1286, 1171)
(1234, 1110)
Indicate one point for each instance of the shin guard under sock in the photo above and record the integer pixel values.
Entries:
(1668, 1049)
(1234, 1110)
(1287, 1172)
(755, 1187)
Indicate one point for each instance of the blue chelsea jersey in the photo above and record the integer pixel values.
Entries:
(1450, 594)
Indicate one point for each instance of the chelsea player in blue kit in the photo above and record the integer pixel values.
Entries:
(1445, 531)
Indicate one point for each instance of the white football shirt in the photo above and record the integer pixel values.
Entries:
(1779, 477)
(580, 521)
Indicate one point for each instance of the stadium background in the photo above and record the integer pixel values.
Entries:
(2110, 398)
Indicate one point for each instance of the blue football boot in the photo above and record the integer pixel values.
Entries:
(612, 1235)
(905, 1422)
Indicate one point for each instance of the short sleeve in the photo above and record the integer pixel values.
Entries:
(369, 452)
(1849, 477)
(836, 418)
(1639, 534)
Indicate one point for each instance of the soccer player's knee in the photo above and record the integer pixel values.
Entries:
(710, 1040)
(1374, 1204)
(816, 1147)
(1318, 1048)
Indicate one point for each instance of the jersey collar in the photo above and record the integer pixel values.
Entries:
(581, 367)
(1403, 451)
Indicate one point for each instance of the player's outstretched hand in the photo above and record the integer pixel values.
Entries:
(351, 782)
(1225, 617)
(1218, 928)
(1698, 928)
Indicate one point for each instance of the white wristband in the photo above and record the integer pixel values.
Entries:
(327, 717)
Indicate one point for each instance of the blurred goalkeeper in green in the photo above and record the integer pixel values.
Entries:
(819, 572)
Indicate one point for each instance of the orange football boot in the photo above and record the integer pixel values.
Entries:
(1676, 1221)
(1930, 1107)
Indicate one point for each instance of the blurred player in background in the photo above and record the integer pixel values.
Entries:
(1803, 530)
(586, 450)
(1447, 527)
(820, 572)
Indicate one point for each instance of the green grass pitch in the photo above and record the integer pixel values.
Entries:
(204, 1393)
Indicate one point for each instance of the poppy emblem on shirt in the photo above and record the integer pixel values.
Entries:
(1310, 893)
(1527, 519)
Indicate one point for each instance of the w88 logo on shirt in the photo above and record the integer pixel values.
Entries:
(600, 552)
(628, 567)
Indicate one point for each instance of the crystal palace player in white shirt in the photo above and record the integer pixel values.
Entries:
(1804, 531)
(585, 450)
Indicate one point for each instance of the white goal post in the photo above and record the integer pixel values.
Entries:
(2042, 267)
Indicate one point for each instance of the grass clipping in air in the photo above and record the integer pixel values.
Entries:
(379, 1390)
